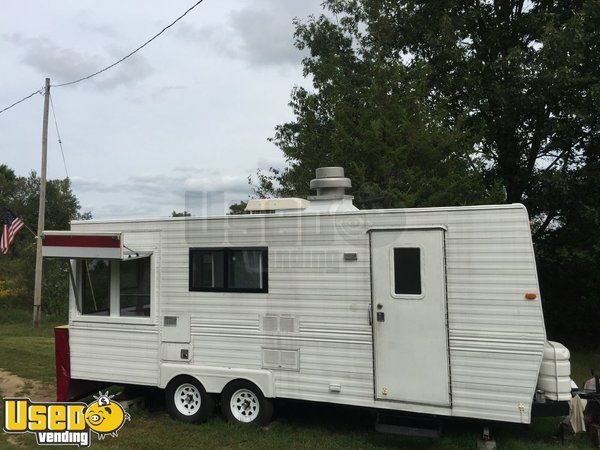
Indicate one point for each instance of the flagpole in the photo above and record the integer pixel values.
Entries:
(30, 230)
(24, 224)
(37, 292)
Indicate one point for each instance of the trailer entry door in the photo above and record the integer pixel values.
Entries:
(409, 316)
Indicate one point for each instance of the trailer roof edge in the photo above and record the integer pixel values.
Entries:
(260, 216)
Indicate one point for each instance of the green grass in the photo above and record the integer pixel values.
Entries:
(582, 361)
(24, 351)
(298, 425)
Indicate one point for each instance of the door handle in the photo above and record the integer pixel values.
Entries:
(370, 314)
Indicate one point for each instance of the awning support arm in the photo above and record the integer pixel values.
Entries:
(132, 251)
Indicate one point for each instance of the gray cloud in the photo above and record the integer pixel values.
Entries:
(199, 191)
(152, 184)
(64, 64)
(260, 34)
(198, 125)
(220, 39)
(200, 34)
(101, 29)
(266, 35)
(267, 32)
(88, 20)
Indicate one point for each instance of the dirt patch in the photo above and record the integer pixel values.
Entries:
(12, 385)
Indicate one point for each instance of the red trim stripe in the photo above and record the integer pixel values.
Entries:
(15, 227)
(80, 241)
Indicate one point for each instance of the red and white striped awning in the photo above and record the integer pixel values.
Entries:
(75, 245)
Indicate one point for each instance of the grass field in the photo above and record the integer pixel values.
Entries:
(297, 425)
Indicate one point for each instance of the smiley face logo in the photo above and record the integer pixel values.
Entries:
(105, 416)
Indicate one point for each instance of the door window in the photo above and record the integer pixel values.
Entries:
(407, 271)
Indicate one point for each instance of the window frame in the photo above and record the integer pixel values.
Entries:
(117, 287)
(80, 282)
(226, 253)
(76, 308)
(393, 273)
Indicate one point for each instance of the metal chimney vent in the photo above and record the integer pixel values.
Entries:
(330, 183)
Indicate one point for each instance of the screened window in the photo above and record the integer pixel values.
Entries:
(134, 287)
(407, 271)
(95, 287)
(229, 269)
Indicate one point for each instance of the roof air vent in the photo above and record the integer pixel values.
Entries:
(330, 183)
(331, 186)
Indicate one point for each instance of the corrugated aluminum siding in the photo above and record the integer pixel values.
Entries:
(496, 337)
(119, 354)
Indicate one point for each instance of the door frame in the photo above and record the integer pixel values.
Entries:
(444, 230)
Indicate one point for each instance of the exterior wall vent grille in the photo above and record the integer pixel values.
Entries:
(170, 321)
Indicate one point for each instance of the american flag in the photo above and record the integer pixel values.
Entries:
(12, 225)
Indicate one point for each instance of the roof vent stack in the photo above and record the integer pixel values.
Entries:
(331, 186)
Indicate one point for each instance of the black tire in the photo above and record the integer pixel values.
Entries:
(185, 390)
(250, 406)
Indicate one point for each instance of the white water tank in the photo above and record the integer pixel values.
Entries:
(555, 372)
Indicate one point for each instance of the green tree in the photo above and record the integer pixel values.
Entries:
(569, 260)
(459, 102)
(8, 184)
(370, 113)
(238, 208)
(21, 196)
(180, 214)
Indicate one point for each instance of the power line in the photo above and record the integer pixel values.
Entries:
(40, 91)
(110, 66)
(132, 52)
(58, 136)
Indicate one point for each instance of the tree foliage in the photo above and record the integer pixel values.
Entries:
(180, 214)
(21, 196)
(238, 208)
(450, 102)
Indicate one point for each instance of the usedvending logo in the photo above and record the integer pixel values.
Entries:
(65, 423)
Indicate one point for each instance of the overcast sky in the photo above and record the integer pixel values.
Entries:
(190, 113)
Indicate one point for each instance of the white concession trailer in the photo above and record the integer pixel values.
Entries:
(424, 310)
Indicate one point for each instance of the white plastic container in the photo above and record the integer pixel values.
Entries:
(555, 372)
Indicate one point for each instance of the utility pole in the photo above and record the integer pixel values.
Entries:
(37, 293)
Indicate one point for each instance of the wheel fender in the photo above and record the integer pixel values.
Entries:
(214, 379)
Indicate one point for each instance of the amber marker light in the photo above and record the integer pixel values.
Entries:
(530, 296)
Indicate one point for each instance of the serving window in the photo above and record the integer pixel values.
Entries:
(229, 269)
(115, 288)
(134, 287)
(95, 287)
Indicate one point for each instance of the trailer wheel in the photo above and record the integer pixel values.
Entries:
(188, 401)
(243, 402)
